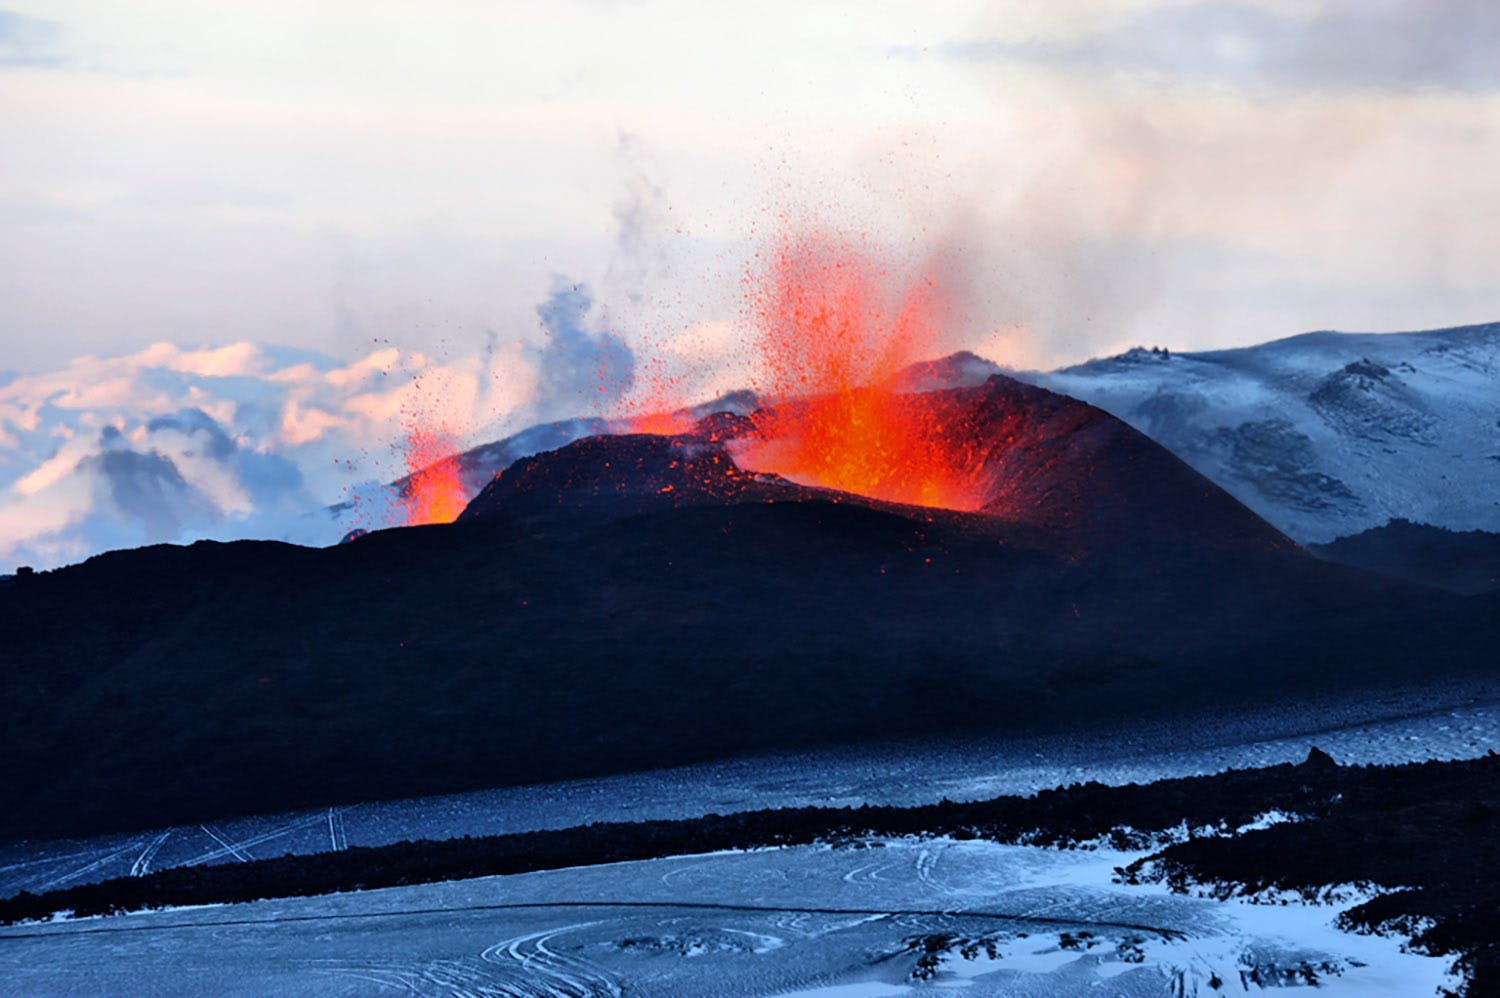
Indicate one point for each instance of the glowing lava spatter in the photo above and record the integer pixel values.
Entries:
(834, 337)
(434, 492)
(658, 404)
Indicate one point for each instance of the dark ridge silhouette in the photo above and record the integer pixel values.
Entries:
(1461, 561)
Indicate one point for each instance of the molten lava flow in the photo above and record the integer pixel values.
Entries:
(834, 338)
(434, 492)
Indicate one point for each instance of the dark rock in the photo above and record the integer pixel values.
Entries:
(1318, 759)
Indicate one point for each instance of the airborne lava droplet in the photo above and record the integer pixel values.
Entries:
(835, 330)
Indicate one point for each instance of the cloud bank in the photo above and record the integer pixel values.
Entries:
(172, 445)
(1384, 45)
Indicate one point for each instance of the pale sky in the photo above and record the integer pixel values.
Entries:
(331, 174)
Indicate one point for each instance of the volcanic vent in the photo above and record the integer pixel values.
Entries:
(1027, 459)
(851, 408)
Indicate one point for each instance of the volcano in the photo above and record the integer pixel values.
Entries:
(1024, 461)
(635, 601)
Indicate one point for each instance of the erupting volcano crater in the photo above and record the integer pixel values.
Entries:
(1010, 455)
(846, 407)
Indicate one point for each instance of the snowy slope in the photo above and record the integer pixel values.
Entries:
(1457, 722)
(1324, 434)
(1004, 921)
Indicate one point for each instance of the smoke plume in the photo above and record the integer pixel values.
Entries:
(579, 369)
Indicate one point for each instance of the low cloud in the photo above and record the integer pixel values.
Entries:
(140, 494)
(1386, 45)
(173, 445)
(28, 42)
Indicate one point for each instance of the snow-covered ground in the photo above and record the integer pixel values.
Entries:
(808, 920)
(1324, 434)
(831, 922)
(1452, 723)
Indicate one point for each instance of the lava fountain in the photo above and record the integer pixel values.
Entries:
(433, 491)
(835, 331)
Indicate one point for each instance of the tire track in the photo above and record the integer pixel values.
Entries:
(48, 860)
(54, 928)
(868, 872)
(236, 848)
(91, 867)
(547, 973)
(338, 839)
(142, 864)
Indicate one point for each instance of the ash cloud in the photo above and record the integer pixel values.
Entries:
(640, 212)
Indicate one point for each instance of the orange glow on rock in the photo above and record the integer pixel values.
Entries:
(434, 491)
(834, 332)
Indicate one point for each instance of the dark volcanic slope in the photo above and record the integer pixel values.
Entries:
(1465, 561)
(637, 601)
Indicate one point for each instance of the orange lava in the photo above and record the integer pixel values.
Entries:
(657, 405)
(434, 491)
(662, 422)
(834, 332)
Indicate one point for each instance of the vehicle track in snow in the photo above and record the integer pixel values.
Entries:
(53, 928)
(237, 847)
(545, 973)
(338, 838)
(142, 864)
(61, 879)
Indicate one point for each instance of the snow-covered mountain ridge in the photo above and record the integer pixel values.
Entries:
(1324, 434)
